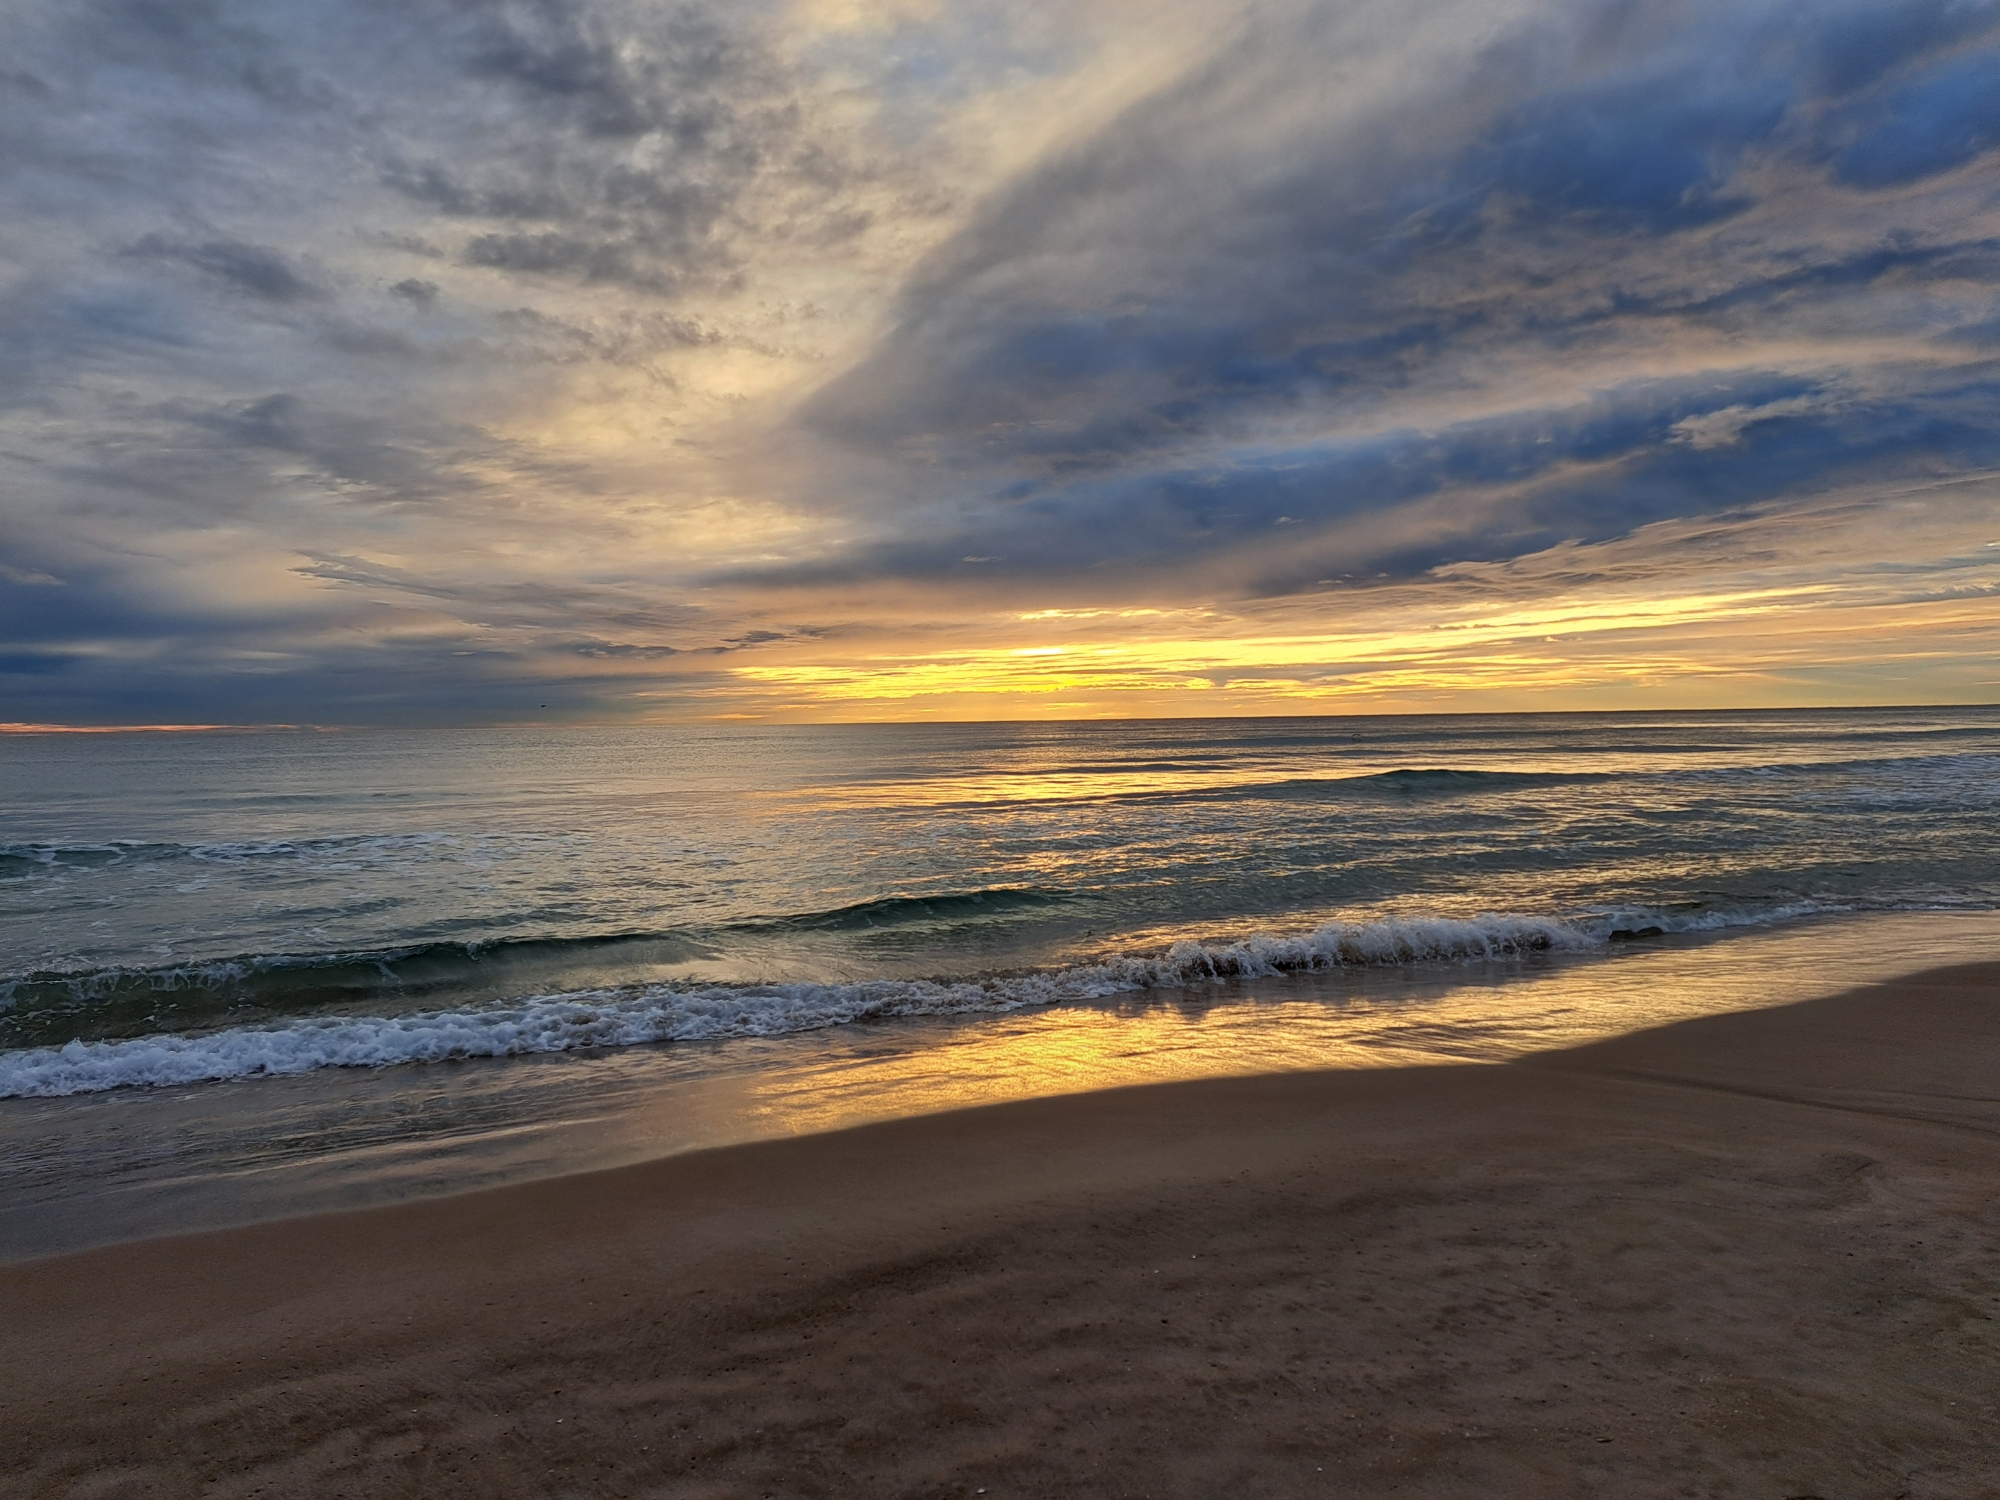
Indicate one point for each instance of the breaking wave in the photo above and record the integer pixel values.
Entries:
(633, 1015)
(54, 1005)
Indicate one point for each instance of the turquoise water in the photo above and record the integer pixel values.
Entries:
(188, 908)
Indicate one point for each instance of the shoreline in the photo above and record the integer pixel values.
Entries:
(131, 1165)
(1734, 1253)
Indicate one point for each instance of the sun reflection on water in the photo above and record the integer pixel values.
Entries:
(1445, 1015)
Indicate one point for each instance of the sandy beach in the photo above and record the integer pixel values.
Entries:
(1755, 1255)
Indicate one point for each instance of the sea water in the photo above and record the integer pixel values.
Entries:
(214, 942)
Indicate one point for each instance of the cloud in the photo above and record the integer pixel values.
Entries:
(254, 270)
(1940, 119)
(404, 281)
(1725, 426)
(566, 342)
(1285, 280)
(1403, 502)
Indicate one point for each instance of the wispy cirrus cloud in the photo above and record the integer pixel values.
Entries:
(1342, 271)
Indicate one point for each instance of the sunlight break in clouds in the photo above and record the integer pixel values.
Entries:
(840, 359)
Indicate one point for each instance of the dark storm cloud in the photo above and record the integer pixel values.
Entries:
(1112, 353)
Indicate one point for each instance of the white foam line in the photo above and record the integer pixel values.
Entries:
(660, 1013)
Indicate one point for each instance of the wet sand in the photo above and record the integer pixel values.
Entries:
(1751, 1255)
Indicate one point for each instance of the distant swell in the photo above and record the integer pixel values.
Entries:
(628, 1016)
(1429, 779)
(1407, 781)
(25, 859)
(49, 1004)
(891, 911)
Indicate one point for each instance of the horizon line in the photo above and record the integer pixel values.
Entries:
(22, 728)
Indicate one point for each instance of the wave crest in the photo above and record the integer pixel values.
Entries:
(665, 1012)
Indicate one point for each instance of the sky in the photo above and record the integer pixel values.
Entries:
(510, 361)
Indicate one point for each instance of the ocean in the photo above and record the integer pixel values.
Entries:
(245, 972)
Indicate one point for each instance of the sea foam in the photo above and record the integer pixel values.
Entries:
(635, 1015)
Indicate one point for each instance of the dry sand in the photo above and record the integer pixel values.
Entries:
(1751, 1255)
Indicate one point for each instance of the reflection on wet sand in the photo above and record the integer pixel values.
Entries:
(99, 1168)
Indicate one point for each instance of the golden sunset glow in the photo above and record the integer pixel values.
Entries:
(1775, 642)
